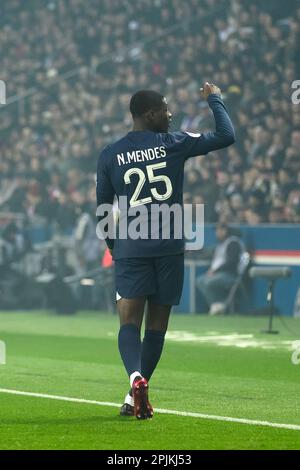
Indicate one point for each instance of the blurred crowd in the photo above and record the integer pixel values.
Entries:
(76, 63)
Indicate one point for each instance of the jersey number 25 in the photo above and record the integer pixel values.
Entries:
(152, 178)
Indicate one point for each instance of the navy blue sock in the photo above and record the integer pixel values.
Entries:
(129, 341)
(152, 347)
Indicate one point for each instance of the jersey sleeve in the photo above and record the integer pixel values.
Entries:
(191, 145)
(104, 190)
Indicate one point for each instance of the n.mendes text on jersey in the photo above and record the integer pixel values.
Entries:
(141, 155)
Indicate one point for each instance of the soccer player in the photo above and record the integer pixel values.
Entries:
(147, 166)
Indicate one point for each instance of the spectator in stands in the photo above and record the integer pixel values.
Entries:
(216, 283)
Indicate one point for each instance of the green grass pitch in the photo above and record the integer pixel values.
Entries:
(216, 366)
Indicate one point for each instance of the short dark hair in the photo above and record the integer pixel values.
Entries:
(145, 100)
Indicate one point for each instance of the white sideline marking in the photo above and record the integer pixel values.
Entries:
(295, 427)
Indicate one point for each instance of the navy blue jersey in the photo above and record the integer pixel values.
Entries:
(148, 168)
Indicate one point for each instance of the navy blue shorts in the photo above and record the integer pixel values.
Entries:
(159, 279)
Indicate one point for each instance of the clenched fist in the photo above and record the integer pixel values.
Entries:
(209, 89)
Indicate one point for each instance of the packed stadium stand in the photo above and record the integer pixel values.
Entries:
(71, 66)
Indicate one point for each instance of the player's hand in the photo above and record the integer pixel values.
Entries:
(209, 89)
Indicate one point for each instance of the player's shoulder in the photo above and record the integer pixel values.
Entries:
(104, 157)
(113, 147)
(178, 137)
(105, 151)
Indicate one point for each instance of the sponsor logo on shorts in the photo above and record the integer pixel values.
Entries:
(118, 297)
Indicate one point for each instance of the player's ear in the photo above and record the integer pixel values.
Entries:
(150, 115)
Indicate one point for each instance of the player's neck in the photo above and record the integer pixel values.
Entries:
(140, 126)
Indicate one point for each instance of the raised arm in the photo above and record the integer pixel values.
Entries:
(191, 145)
(224, 135)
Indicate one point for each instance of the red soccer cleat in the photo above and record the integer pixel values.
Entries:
(142, 407)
